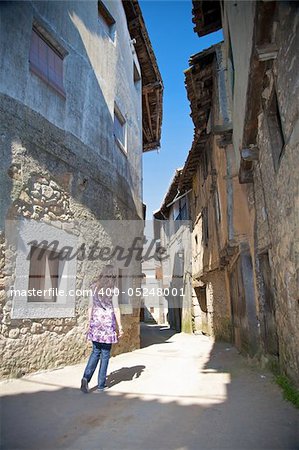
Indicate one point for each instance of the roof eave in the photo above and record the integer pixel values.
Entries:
(152, 85)
(206, 17)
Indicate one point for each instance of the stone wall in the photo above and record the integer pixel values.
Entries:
(271, 199)
(261, 201)
(30, 163)
(216, 320)
(61, 166)
(276, 188)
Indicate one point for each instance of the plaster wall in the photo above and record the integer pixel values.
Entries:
(61, 164)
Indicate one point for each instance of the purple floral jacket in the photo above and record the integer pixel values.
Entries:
(102, 325)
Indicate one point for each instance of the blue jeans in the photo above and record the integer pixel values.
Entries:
(99, 350)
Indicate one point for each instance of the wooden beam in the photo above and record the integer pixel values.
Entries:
(267, 52)
(146, 135)
(158, 117)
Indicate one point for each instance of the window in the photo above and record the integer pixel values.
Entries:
(120, 129)
(201, 294)
(217, 206)
(46, 60)
(275, 130)
(41, 265)
(180, 211)
(205, 226)
(106, 20)
(43, 274)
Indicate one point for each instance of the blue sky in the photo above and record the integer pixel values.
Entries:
(170, 28)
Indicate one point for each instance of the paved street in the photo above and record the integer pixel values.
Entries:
(177, 392)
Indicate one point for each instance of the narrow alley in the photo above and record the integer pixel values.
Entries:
(178, 391)
(149, 212)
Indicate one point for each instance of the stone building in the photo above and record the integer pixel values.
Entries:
(261, 60)
(205, 174)
(173, 233)
(214, 202)
(81, 99)
(154, 306)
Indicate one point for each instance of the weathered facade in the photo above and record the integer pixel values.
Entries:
(261, 145)
(77, 103)
(173, 233)
(205, 174)
(209, 181)
(154, 305)
(153, 308)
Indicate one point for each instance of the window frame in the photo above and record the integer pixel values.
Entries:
(24, 232)
(275, 129)
(37, 275)
(181, 210)
(105, 15)
(56, 49)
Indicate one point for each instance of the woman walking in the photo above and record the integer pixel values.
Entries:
(104, 327)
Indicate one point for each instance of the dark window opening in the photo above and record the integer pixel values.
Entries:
(231, 68)
(205, 226)
(181, 209)
(201, 294)
(217, 206)
(43, 275)
(180, 212)
(275, 131)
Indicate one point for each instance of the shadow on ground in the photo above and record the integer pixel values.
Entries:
(154, 334)
(251, 414)
(124, 374)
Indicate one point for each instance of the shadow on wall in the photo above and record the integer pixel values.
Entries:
(49, 154)
(148, 317)
(125, 181)
(75, 170)
(247, 414)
